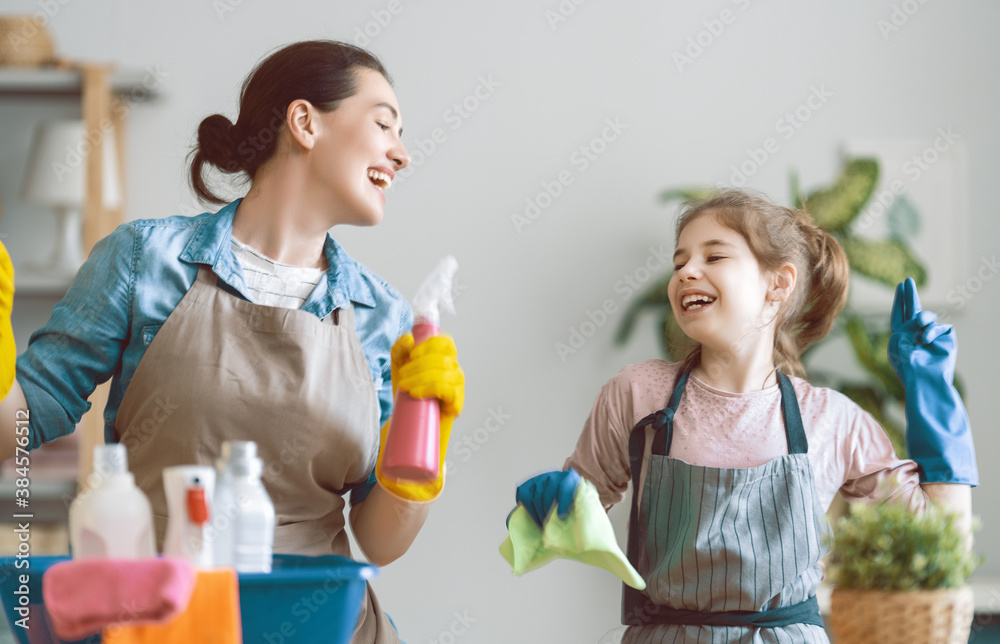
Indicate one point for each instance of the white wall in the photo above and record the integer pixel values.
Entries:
(523, 290)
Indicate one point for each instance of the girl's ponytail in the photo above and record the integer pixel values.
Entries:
(827, 292)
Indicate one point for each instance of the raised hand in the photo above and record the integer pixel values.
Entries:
(923, 353)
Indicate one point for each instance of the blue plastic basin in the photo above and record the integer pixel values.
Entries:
(302, 599)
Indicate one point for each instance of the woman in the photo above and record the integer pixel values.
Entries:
(252, 323)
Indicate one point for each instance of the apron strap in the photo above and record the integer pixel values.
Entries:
(636, 604)
(207, 276)
(794, 431)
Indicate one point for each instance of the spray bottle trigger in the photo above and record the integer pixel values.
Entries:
(197, 505)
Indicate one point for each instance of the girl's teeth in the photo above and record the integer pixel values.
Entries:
(691, 302)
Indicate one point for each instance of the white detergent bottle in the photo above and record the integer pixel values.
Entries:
(112, 517)
(242, 529)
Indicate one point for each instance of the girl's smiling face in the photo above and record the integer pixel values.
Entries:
(717, 292)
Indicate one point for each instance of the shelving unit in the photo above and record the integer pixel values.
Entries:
(105, 95)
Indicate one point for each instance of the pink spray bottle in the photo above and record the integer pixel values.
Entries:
(412, 444)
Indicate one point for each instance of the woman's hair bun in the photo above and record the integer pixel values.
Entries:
(216, 143)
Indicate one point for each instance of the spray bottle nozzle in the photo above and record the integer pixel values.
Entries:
(436, 291)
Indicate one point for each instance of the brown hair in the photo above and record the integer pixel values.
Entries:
(322, 72)
(776, 236)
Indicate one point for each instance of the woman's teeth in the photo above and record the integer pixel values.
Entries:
(380, 179)
(692, 302)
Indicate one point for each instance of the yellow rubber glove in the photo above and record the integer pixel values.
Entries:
(429, 370)
(8, 350)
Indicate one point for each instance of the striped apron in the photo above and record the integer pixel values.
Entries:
(728, 554)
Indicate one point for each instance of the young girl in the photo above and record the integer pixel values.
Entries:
(733, 457)
(252, 323)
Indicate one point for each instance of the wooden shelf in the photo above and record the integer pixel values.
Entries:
(55, 81)
(99, 88)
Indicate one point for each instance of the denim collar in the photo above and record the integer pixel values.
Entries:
(211, 244)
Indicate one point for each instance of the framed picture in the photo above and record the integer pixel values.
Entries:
(922, 198)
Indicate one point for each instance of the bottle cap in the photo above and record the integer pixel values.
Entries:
(110, 460)
(240, 457)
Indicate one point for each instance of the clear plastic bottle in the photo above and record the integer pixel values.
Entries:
(243, 520)
(112, 518)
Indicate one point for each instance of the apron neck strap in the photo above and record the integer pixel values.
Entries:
(662, 420)
(794, 431)
(206, 275)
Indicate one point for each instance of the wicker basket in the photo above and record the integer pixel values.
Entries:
(901, 617)
(25, 42)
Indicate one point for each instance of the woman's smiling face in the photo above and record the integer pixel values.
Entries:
(358, 150)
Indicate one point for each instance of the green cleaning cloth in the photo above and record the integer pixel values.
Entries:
(585, 535)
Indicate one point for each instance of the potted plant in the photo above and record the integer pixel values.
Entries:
(900, 576)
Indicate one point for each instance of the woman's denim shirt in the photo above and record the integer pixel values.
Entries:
(133, 280)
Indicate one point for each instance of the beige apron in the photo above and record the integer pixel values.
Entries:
(221, 368)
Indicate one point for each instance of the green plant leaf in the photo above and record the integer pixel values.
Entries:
(872, 351)
(655, 298)
(887, 261)
(687, 194)
(793, 187)
(904, 220)
(873, 400)
(834, 208)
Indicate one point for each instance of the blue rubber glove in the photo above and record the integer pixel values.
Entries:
(923, 352)
(539, 493)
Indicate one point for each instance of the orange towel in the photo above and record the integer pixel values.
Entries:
(212, 615)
